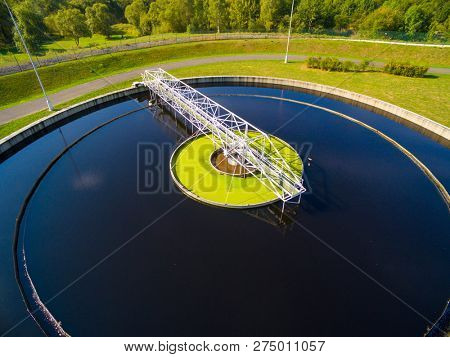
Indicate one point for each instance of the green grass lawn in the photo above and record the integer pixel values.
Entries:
(8, 128)
(21, 87)
(67, 46)
(425, 96)
(130, 36)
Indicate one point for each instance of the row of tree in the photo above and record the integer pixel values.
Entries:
(369, 16)
(41, 19)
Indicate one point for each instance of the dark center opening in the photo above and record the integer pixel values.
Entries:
(228, 164)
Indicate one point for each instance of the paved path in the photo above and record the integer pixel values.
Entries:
(417, 44)
(65, 95)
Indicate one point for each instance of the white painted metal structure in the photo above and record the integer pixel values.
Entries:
(256, 153)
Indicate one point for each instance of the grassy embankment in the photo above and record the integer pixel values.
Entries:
(12, 126)
(426, 96)
(22, 87)
(402, 91)
(123, 35)
(64, 46)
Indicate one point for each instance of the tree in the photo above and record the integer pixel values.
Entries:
(145, 24)
(217, 14)
(124, 3)
(309, 15)
(353, 12)
(199, 20)
(51, 24)
(416, 20)
(439, 31)
(72, 23)
(99, 19)
(271, 13)
(31, 24)
(171, 15)
(134, 11)
(384, 18)
(341, 22)
(161, 16)
(6, 34)
(243, 13)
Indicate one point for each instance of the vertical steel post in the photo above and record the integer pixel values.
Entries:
(289, 33)
(47, 99)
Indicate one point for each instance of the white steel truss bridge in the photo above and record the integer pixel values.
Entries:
(256, 153)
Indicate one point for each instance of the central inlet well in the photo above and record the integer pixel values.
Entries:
(228, 164)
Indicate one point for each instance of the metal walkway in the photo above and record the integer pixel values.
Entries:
(246, 144)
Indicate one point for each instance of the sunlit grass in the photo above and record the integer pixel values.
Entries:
(21, 87)
(12, 126)
(425, 96)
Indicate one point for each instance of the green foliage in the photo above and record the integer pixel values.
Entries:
(271, 13)
(416, 20)
(124, 3)
(134, 11)
(331, 64)
(71, 23)
(395, 19)
(363, 65)
(309, 15)
(243, 13)
(99, 20)
(6, 33)
(348, 66)
(199, 20)
(383, 19)
(218, 16)
(172, 15)
(313, 62)
(335, 65)
(30, 20)
(125, 30)
(405, 69)
(145, 24)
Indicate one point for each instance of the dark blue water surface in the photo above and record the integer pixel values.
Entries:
(204, 271)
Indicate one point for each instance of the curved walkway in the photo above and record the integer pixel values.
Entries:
(65, 95)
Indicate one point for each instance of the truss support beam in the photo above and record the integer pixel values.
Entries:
(257, 152)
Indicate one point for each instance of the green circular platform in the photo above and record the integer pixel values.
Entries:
(196, 176)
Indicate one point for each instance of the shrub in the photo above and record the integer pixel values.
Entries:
(313, 62)
(362, 66)
(334, 64)
(348, 66)
(405, 69)
(328, 63)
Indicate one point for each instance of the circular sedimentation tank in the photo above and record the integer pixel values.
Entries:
(201, 170)
(99, 179)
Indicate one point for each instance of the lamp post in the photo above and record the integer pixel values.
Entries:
(47, 99)
(289, 33)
